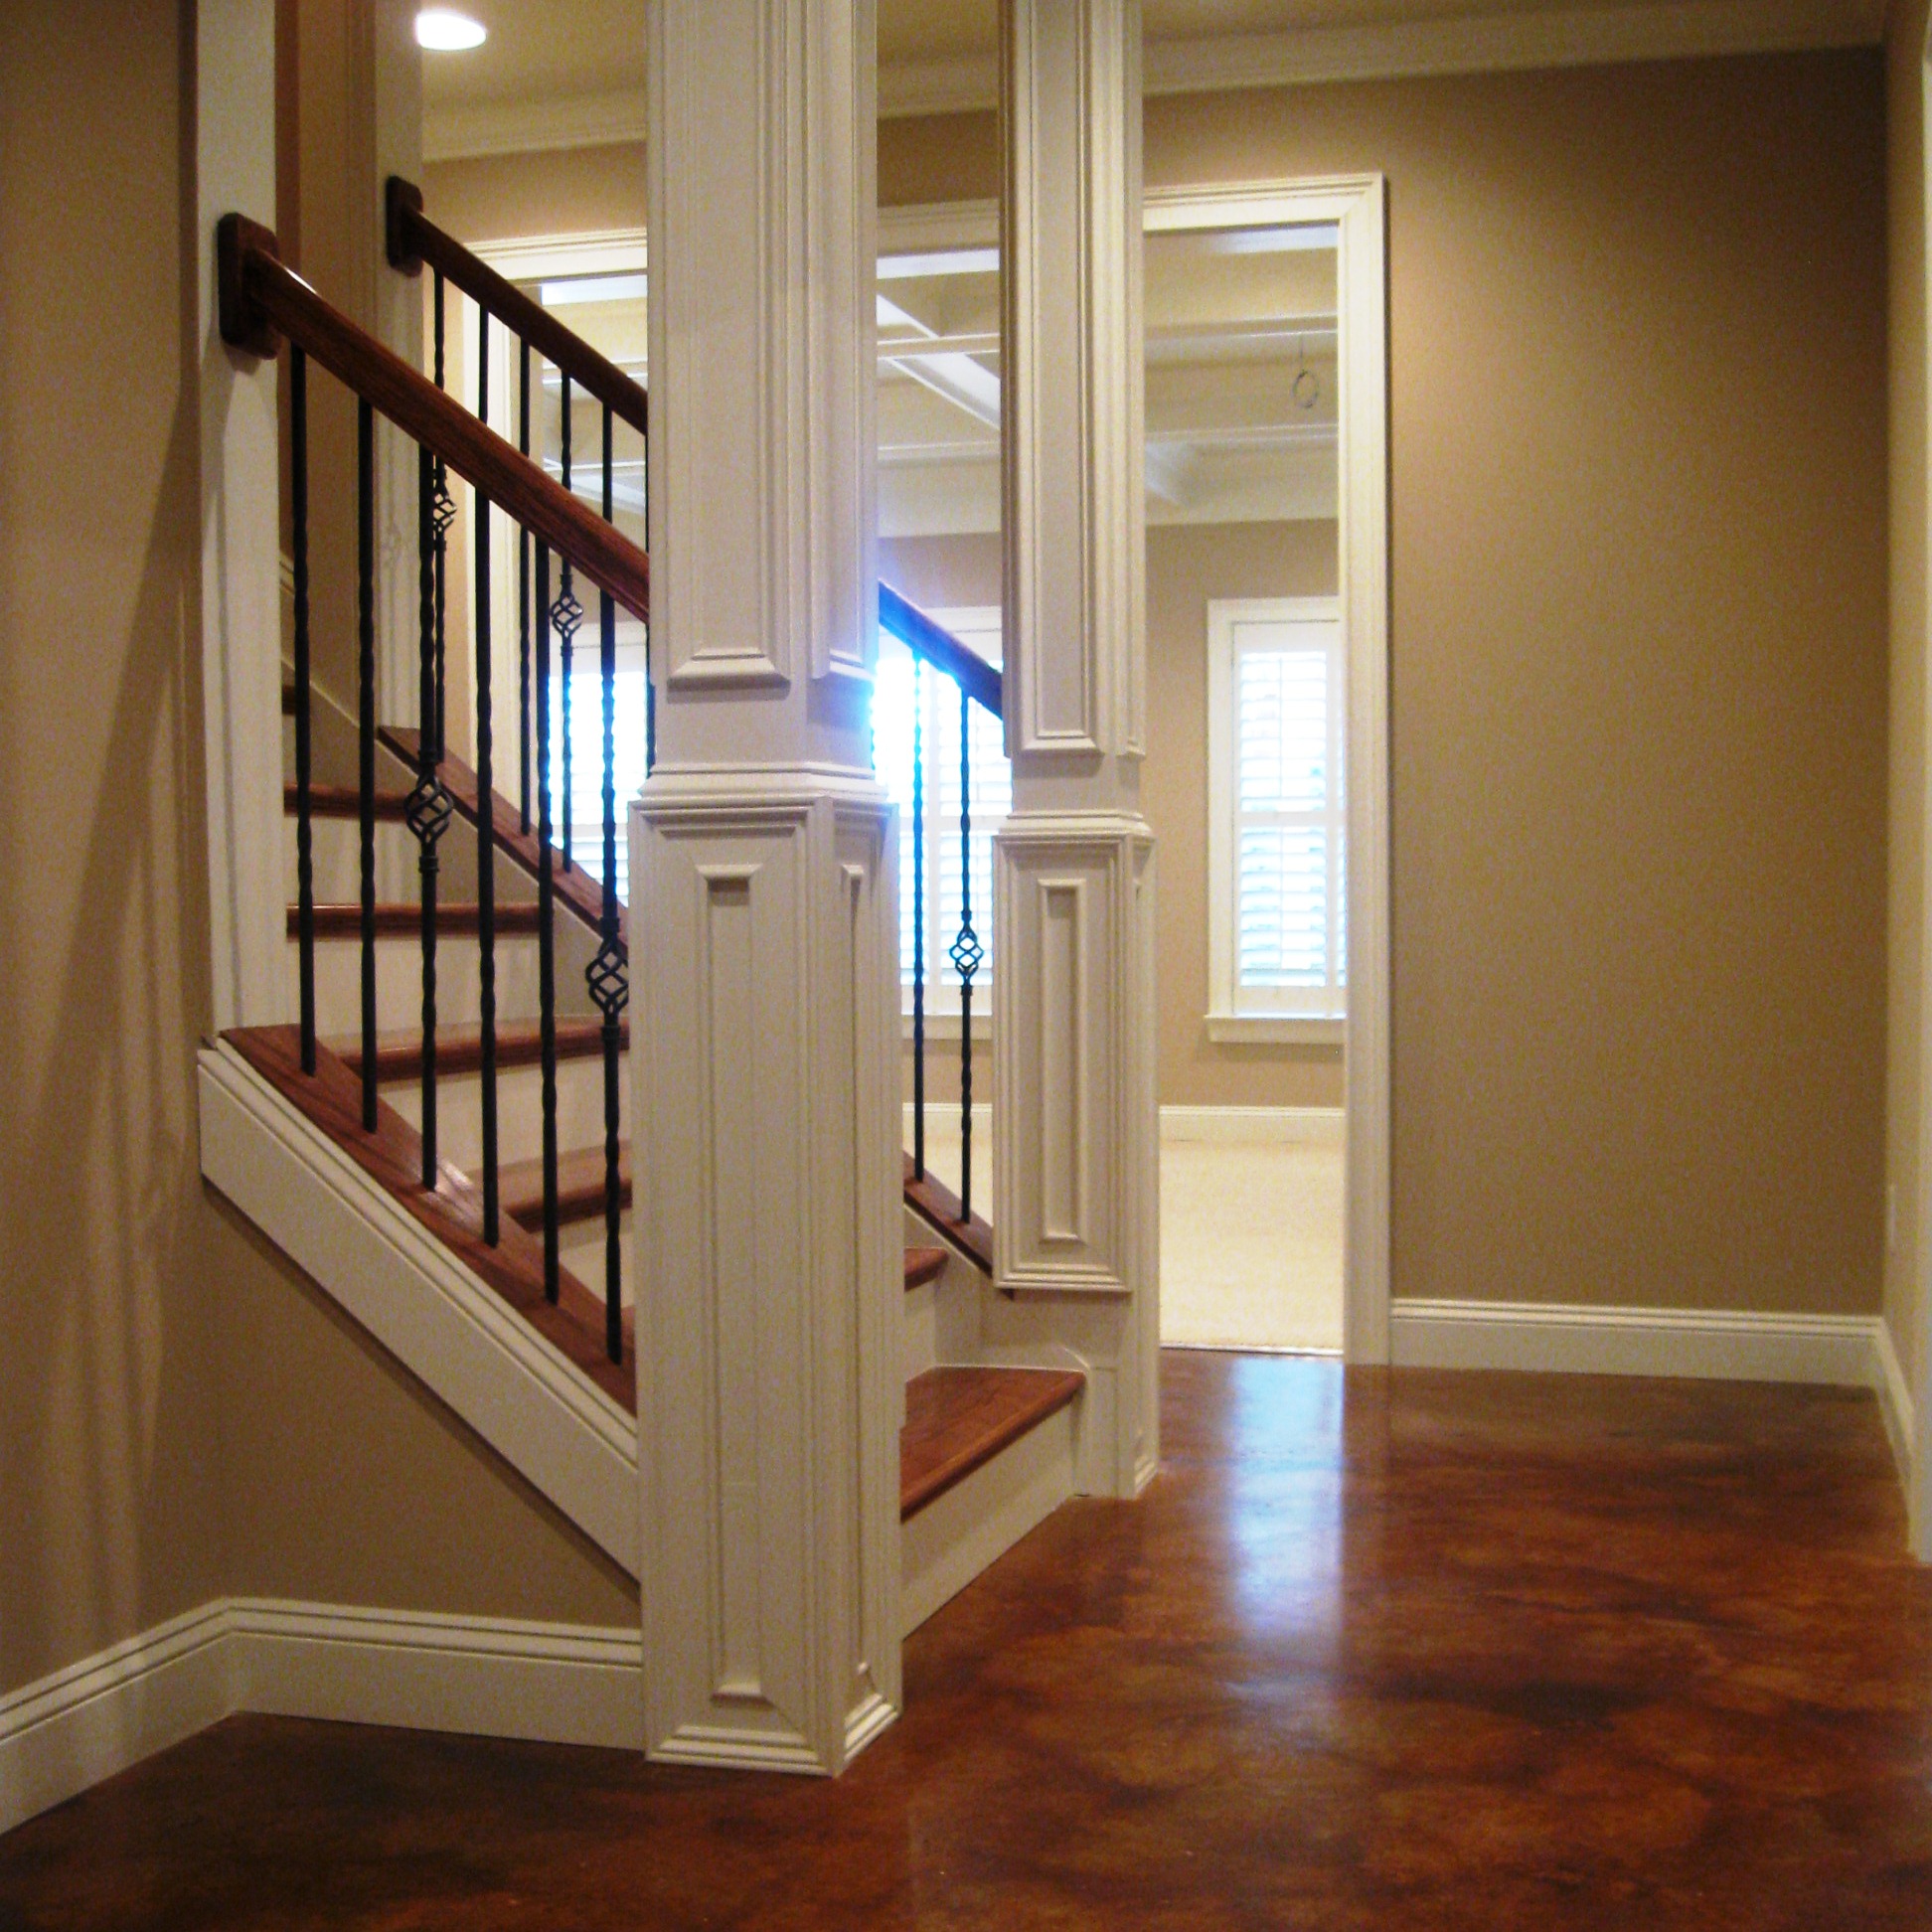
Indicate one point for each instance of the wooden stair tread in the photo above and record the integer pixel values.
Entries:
(454, 1213)
(958, 1419)
(289, 701)
(342, 919)
(344, 802)
(938, 1207)
(924, 1264)
(577, 893)
(459, 1049)
(579, 1185)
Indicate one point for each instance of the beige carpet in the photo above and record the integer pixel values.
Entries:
(1250, 1238)
(1251, 1244)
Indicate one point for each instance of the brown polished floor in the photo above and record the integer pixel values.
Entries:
(1456, 1652)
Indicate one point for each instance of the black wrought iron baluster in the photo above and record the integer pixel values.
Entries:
(366, 737)
(609, 978)
(966, 957)
(918, 921)
(485, 813)
(570, 619)
(429, 810)
(445, 515)
(304, 821)
(523, 610)
(545, 930)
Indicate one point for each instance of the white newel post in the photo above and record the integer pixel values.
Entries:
(1075, 1152)
(763, 925)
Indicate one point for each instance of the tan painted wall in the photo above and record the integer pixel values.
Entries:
(179, 1415)
(1905, 205)
(1639, 707)
(578, 191)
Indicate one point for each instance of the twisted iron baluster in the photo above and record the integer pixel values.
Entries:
(609, 982)
(429, 810)
(918, 921)
(569, 615)
(304, 824)
(966, 957)
(485, 813)
(444, 513)
(366, 737)
(546, 928)
(523, 610)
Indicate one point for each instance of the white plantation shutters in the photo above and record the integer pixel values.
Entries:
(1277, 733)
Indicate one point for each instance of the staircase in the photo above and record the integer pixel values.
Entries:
(441, 1136)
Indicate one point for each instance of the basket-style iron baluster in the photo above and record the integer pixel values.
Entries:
(610, 981)
(444, 512)
(428, 809)
(304, 821)
(485, 815)
(546, 928)
(366, 737)
(966, 957)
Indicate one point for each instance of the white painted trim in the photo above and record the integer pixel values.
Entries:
(497, 1676)
(1579, 1339)
(1249, 1126)
(539, 1411)
(945, 1025)
(1276, 1030)
(960, 1534)
(75, 1727)
(1408, 48)
(470, 133)
(490, 1677)
(1895, 1405)
(544, 257)
(1357, 205)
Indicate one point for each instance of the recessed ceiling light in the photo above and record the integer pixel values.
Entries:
(444, 30)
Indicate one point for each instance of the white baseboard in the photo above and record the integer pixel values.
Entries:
(491, 1676)
(1323, 1125)
(1603, 1340)
(1896, 1405)
(78, 1725)
(486, 1676)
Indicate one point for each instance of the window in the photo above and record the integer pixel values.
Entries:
(586, 745)
(907, 693)
(1277, 709)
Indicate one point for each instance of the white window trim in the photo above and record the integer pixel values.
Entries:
(1229, 1023)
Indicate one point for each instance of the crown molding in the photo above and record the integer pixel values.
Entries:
(1654, 30)
(467, 133)
(1649, 30)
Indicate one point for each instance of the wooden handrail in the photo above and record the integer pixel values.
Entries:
(263, 301)
(940, 649)
(413, 238)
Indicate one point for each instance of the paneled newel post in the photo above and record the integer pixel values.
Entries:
(1075, 1122)
(763, 926)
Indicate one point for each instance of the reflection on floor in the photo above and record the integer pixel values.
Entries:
(1413, 1651)
(1250, 1238)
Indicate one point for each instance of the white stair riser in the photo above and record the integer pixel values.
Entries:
(335, 853)
(398, 983)
(581, 1248)
(519, 1111)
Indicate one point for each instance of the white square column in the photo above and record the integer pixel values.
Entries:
(1075, 1149)
(764, 931)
